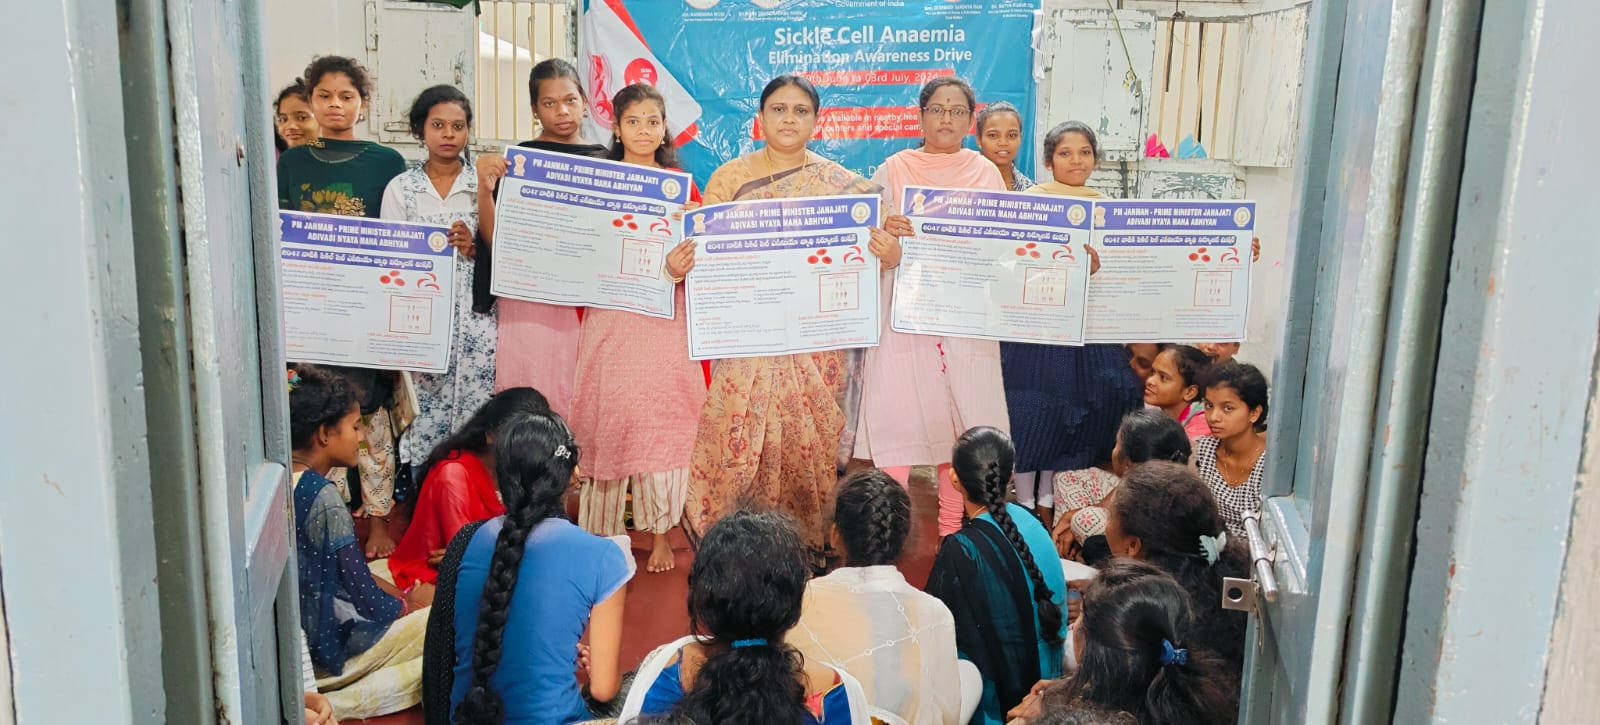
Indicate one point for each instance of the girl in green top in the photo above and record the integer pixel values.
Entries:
(337, 173)
(340, 174)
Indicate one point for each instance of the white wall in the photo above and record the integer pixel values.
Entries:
(299, 30)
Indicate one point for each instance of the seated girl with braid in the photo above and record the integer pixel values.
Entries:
(1001, 578)
(865, 619)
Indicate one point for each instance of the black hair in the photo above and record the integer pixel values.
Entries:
(323, 65)
(787, 80)
(982, 461)
(1169, 508)
(1081, 712)
(317, 400)
(873, 514)
(747, 583)
(1245, 380)
(1151, 435)
(535, 456)
(994, 109)
(933, 86)
(473, 436)
(1189, 361)
(1131, 612)
(666, 155)
(433, 96)
(1054, 137)
(297, 89)
(550, 69)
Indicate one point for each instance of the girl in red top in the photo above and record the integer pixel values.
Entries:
(458, 488)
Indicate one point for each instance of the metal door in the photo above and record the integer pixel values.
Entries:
(227, 263)
(1388, 84)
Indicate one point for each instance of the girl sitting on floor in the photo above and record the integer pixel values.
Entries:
(864, 618)
(1001, 579)
(365, 638)
(745, 591)
(1136, 654)
(457, 489)
(530, 584)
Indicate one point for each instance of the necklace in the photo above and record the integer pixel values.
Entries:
(1226, 465)
(772, 165)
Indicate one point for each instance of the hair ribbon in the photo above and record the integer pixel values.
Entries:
(1173, 655)
(1211, 546)
(742, 643)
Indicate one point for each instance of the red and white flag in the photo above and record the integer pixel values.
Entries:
(615, 56)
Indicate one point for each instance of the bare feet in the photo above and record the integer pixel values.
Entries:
(661, 557)
(379, 543)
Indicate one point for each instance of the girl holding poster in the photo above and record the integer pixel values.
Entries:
(538, 345)
(637, 394)
(921, 391)
(444, 191)
(1065, 402)
(338, 173)
(771, 428)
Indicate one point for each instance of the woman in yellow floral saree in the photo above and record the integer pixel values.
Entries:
(771, 432)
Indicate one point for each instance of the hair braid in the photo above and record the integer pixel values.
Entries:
(991, 488)
(482, 704)
(535, 457)
(873, 515)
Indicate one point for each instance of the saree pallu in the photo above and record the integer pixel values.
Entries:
(775, 431)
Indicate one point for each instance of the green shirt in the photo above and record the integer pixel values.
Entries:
(332, 176)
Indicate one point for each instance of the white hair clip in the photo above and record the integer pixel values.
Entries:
(1211, 546)
(563, 452)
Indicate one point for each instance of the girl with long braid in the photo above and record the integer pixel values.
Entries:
(529, 585)
(1001, 578)
(864, 618)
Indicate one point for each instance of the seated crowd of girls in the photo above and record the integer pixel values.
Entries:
(1093, 477)
(522, 600)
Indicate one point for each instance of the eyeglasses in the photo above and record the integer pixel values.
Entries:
(954, 114)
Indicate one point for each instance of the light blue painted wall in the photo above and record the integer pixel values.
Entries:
(75, 539)
(1515, 372)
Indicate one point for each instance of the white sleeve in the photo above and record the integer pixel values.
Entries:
(393, 207)
(308, 674)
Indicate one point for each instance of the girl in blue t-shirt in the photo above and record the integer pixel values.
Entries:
(529, 585)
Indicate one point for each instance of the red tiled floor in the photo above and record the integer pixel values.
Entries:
(657, 606)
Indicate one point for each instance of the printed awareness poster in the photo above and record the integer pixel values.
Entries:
(867, 58)
(366, 293)
(1174, 271)
(993, 265)
(783, 276)
(584, 232)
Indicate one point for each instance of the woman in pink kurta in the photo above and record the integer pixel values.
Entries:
(919, 392)
(538, 343)
(638, 395)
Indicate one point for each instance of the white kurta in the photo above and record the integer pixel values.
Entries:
(898, 641)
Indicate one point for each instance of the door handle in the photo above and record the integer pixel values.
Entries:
(1241, 594)
(1261, 557)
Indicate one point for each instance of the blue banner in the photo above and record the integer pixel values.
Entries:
(868, 59)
